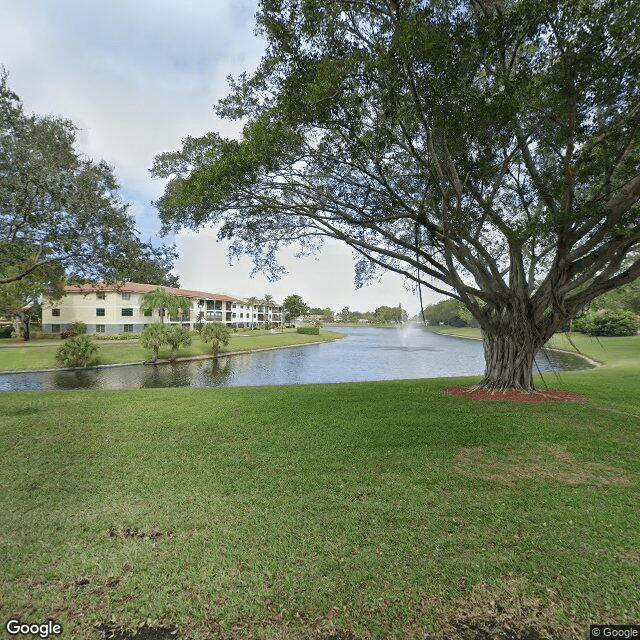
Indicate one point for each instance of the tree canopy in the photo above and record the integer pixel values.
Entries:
(60, 208)
(487, 150)
(161, 301)
(295, 305)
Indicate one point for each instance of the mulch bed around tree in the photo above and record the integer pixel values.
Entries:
(548, 395)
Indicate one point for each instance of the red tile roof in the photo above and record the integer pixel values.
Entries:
(136, 287)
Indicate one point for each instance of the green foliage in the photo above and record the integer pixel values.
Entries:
(79, 327)
(608, 323)
(310, 331)
(153, 337)
(79, 351)
(389, 315)
(449, 312)
(295, 306)
(161, 300)
(176, 336)
(625, 298)
(60, 210)
(217, 334)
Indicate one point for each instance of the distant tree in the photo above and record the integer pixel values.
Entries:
(346, 315)
(60, 208)
(295, 306)
(163, 301)
(449, 312)
(389, 315)
(217, 334)
(176, 336)
(153, 337)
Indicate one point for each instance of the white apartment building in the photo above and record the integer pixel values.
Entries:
(116, 309)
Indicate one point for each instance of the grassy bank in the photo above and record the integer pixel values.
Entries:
(388, 509)
(41, 354)
(615, 352)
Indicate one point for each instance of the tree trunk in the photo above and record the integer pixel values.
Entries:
(509, 361)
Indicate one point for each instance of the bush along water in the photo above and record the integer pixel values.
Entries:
(77, 351)
(215, 333)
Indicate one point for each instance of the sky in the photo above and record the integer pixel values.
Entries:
(136, 77)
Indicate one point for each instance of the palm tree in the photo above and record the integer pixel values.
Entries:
(161, 300)
(268, 302)
(252, 301)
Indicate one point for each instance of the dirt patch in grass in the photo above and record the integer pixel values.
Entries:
(142, 633)
(548, 395)
(539, 462)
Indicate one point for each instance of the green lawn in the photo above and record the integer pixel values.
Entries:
(41, 354)
(387, 508)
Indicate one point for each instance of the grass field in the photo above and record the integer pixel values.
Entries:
(40, 354)
(386, 509)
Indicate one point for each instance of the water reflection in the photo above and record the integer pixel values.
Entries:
(366, 354)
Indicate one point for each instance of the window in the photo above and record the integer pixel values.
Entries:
(148, 312)
(242, 315)
(126, 296)
(127, 312)
(100, 311)
(55, 312)
(99, 328)
(128, 328)
(55, 328)
(100, 295)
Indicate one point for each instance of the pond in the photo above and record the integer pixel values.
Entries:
(366, 353)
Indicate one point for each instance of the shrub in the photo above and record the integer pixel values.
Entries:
(608, 322)
(5, 332)
(69, 333)
(78, 351)
(79, 327)
(175, 337)
(153, 337)
(311, 331)
(217, 334)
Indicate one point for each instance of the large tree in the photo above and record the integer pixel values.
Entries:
(488, 150)
(60, 208)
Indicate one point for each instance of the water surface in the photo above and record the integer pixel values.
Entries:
(366, 353)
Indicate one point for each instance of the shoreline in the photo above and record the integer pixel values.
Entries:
(595, 363)
(205, 356)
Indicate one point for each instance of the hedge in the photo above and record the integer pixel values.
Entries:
(311, 331)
